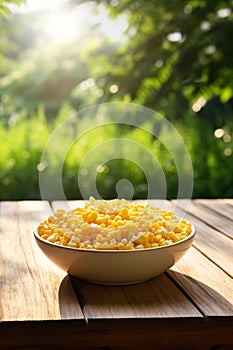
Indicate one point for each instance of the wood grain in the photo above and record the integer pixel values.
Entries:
(203, 210)
(157, 298)
(108, 334)
(32, 288)
(205, 284)
(190, 306)
(212, 243)
(223, 207)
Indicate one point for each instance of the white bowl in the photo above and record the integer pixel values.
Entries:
(115, 266)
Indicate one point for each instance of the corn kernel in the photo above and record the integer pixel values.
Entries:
(129, 246)
(140, 246)
(157, 238)
(163, 243)
(92, 217)
(174, 237)
(177, 229)
(52, 238)
(115, 224)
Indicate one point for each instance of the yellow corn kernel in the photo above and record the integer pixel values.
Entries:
(174, 237)
(64, 241)
(151, 238)
(156, 226)
(112, 246)
(51, 219)
(105, 245)
(124, 214)
(124, 241)
(97, 245)
(99, 220)
(84, 226)
(157, 238)
(60, 212)
(118, 222)
(129, 246)
(121, 246)
(57, 231)
(177, 229)
(74, 240)
(142, 240)
(92, 217)
(140, 246)
(163, 243)
(77, 231)
(163, 223)
(154, 245)
(183, 236)
(52, 238)
(81, 245)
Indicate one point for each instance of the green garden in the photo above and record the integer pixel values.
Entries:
(173, 57)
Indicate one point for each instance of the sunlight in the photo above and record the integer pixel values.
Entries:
(35, 5)
(60, 27)
(112, 28)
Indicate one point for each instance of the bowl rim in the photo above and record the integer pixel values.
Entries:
(111, 251)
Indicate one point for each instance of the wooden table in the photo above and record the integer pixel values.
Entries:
(188, 307)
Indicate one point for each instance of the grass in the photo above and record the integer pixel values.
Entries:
(105, 155)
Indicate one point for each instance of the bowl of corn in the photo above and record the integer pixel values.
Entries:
(114, 241)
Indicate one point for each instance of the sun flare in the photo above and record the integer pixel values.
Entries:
(61, 27)
(60, 24)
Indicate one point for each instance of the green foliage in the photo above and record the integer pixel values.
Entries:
(4, 5)
(175, 57)
(31, 75)
(176, 52)
(22, 143)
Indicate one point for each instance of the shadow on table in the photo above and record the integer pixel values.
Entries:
(168, 295)
(68, 302)
(210, 301)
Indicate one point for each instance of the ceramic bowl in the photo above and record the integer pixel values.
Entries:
(115, 266)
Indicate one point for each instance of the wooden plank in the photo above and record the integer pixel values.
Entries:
(207, 285)
(225, 200)
(108, 334)
(214, 219)
(157, 298)
(32, 288)
(212, 243)
(219, 206)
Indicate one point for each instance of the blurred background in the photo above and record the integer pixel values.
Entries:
(59, 57)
